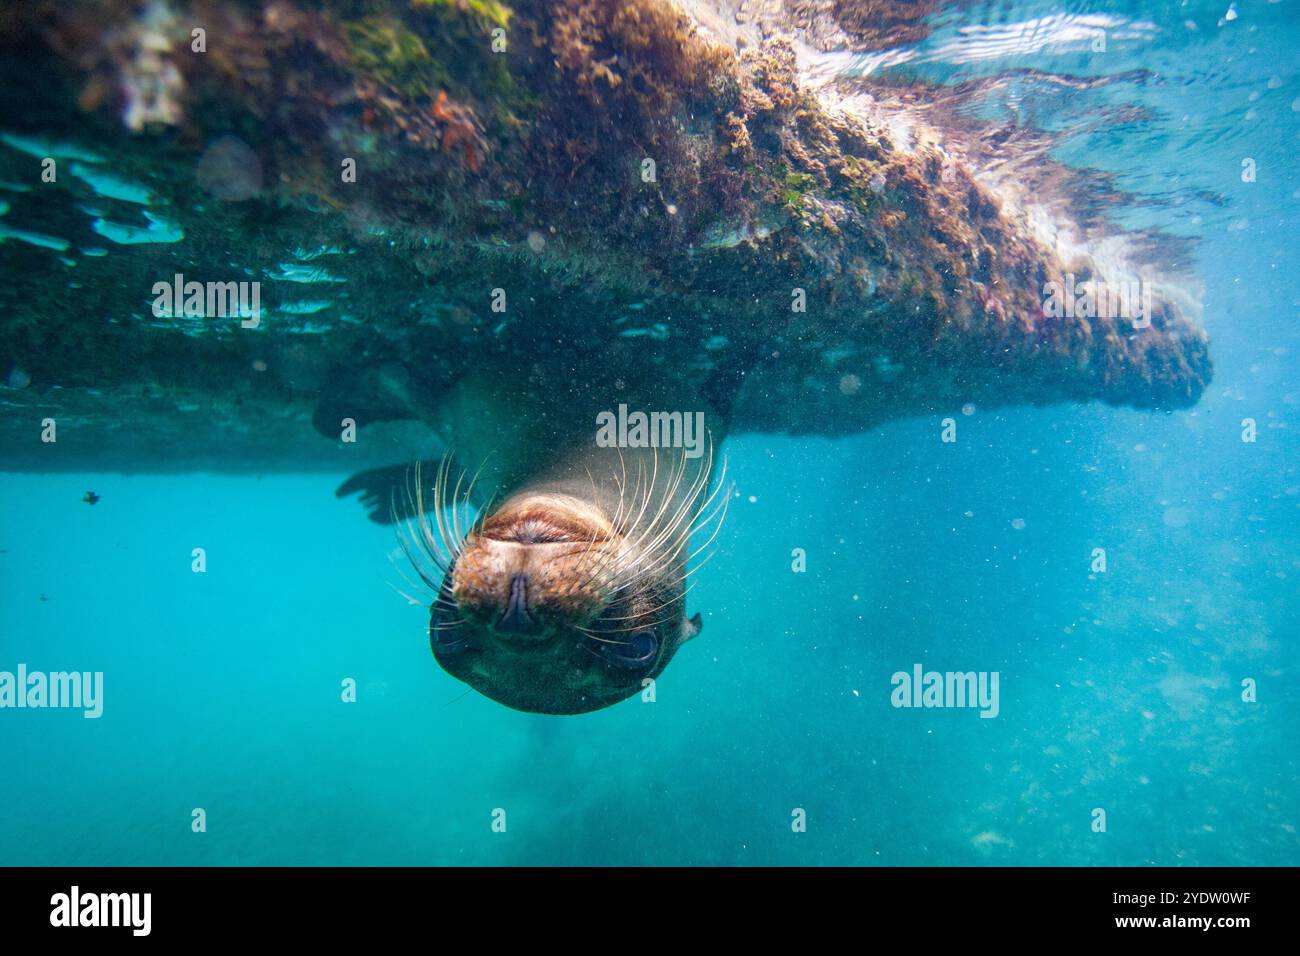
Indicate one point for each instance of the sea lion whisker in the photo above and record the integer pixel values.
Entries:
(642, 492)
(669, 557)
(651, 552)
(427, 581)
(641, 614)
(691, 569)
(622, 486)
(477, 473)
(481, 518)
(596, 637)
(435, 598)
(652, 625)
(677, 478)
(449, 529)
(629, 511)
(436, 526)
(636, 547)
(592, 652)
(469, 492)
(648, 494)
(458, 699)
(658, 550)
(455, 508)
(426, 531)
(600, 565)
(707, 559)
(408, 597)
(636, 567)
(404, 530)
(406, 537)
(719, 512)
(626, 521)
(696, 486)
(466, 503)
(439, 504)
(422, 538)
(647, 573)
(446, 625)
(623, 511)
(611, 560)
(595, 531)
(416, 555)
(694, 526)
(617, 523)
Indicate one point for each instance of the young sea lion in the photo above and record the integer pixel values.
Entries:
(570, 595)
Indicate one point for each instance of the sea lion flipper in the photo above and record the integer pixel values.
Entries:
(381, 492)
(379, 392)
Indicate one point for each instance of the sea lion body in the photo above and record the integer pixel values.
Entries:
(567, 594)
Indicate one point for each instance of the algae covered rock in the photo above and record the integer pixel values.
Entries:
(418, 189)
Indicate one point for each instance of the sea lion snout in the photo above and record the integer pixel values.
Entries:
(526, 592)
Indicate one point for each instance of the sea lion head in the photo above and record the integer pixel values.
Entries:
(552, 605)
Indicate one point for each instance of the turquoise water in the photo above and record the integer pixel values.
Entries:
(1120, 690)
(222, 690)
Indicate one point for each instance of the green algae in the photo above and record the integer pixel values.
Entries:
(383, 47)
(796, 187)
(859, 174)
(489, 11)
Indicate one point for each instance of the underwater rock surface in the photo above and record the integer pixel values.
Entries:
(422, 188)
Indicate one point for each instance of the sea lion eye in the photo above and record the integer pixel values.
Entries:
(637, 650)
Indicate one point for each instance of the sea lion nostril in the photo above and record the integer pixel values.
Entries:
(516, 619)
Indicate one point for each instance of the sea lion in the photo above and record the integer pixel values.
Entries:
(569, 595)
